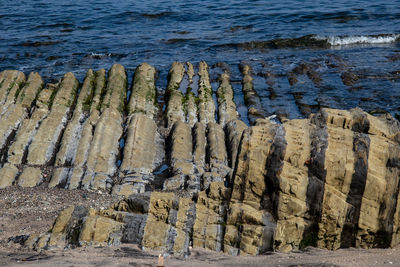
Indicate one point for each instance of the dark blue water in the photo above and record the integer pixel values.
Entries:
(54, 37)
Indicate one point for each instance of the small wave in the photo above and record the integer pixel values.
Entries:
(177, 40)
(316, 41)
(361, 39)
(156, 15)
(40, 43)
(103, 55)
(304, 41)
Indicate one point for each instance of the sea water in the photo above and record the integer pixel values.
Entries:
(274, 37)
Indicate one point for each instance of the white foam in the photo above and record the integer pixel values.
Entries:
(361, 39)
(92, 54)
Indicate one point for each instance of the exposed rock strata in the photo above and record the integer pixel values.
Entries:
(143, 151)
(330, 181)
(251, 98)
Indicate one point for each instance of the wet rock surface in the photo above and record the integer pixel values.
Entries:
(199, 177)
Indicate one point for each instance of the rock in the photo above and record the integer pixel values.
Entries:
(174, 96)
(10, 84)
(233, 130)
(211, 209)
(17, 151)
(75, 174)
(104, 149)
(330, 180)
(144, 92)
(102, 156)
(184, 226)
(191, 108)
(30, 177)
(216, 155)
(226, 107)
(292, 206)
(251, 98)
(206, 107)
(12, 117)
(73, 132)
(200, 142)
(160, 229)
(43, 147)
(143, 153)
(42, 150)
(349, 78)
(180, 156)
(250, 221)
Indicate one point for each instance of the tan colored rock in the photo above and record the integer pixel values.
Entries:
(58, 231)
(190, 106)
(293, 181)
(184, 226)
(160, 221)
(104, 147)
(72, 133)
(190, 71)
(10, 84)
(99, 230)
(174, 111)
(143, 97)
(181, 150)
(30, 90)
(43, 146)
(226, 106)
(211, 209)
(234, 130)
(251, 98)
(200, 141)
(75, 175)
(250, 223)
(12, 118)
(143, 153)
(379, 208)
(180, 156)
(206, 107)
(67, 151)
(8, 174)
(115, 93)
(217, 156)
(339, 174)
(23, 138)
(30, 177)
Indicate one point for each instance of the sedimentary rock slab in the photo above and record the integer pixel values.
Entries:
(144, 92)
(101, 164)
(206, 107)
(330, 180)
(143, 153)
(74, 175)
(226, 107)
(17, 152)
(250, 222)
(65, 157)
(180, 156)
(251, 98)
(10, 84)
(174, 111)
(13, 116)
(42, 150)
(211, 209)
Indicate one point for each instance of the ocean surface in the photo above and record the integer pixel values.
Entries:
(342, 54)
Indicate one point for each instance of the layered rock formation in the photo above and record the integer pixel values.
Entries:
(194, 179)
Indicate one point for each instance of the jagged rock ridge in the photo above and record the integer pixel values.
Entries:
(193, 178)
